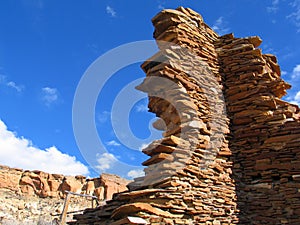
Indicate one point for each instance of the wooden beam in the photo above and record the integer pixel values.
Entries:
(63, 216)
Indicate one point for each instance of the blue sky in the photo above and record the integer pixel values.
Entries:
(46, 47)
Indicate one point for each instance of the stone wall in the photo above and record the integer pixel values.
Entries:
(29, 197)
(265, 134)
(230, 148)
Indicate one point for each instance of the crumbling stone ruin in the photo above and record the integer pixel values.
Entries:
(230, 149)
(36, 197)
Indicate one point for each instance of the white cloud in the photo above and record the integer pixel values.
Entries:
(113, 143)
(294, 93)
(50, 95)
(135, 173)
(20, 152)
(18, 88)
(287, 55)
(11, 84)
(296, 98)
(111, 11)
(267, 48)
(144, 145)
(274, 7)
(220, 26)
(103, 117)
(296, 72)
(143, 107)
(105, 161)
(295, 15)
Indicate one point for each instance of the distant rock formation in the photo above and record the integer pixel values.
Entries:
(30, 196)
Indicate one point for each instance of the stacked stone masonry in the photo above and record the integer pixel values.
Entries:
(230, 148)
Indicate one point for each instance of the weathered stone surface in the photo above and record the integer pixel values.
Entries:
(112, 184)
(72, 184)
(10, 178)
(263, 155)
(140, 207)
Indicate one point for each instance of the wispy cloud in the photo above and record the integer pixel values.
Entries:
(103, 117)
(38, 4)
(295, 15)
(11, 84)
(274, 7)
(18, 88)
(20, 152)
(144, 145)
(142, 107)
(220, 26)
(160, 7)
(296, 98)
(294, 79)
(50, 95)
(105, 161)
(296, 72)
(136, 173)
(94, 48)
(110, 11)
(113, 143)
(267, 48)
(161, 4)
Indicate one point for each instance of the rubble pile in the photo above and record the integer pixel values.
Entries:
(230, 147)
